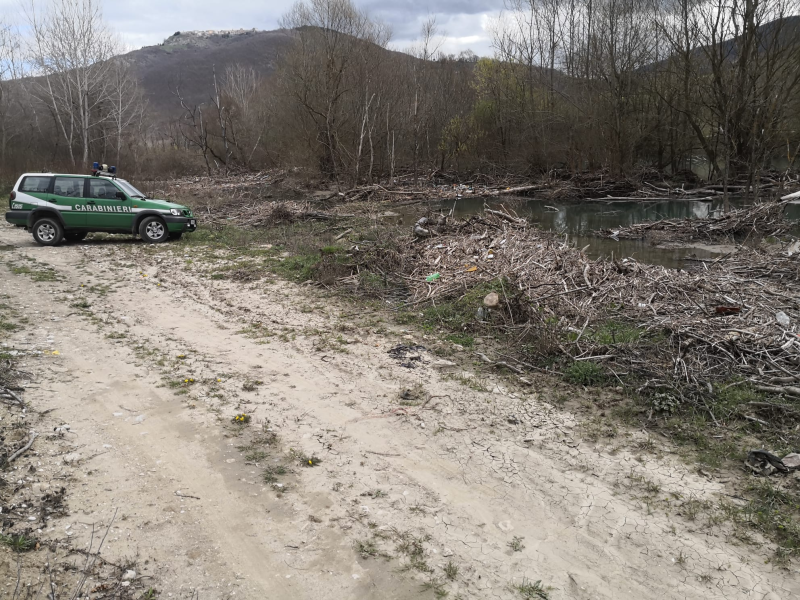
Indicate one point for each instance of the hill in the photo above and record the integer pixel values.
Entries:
(189, 59)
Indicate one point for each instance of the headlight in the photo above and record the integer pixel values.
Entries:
(175, 212)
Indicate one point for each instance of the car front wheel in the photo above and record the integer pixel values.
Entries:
(48, 232)
(153, 230)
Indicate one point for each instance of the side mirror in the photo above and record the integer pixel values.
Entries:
(121, 196)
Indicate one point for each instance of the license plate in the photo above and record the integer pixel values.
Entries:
(192, 223)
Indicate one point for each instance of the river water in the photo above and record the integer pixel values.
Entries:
(577, 221)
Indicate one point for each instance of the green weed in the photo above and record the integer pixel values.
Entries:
(451, 570)
(584, 372)
(516, 544)
(532, 590)
(18, 543)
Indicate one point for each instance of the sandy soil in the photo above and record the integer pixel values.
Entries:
(154, 360)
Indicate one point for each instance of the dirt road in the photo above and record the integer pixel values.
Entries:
(148, 359)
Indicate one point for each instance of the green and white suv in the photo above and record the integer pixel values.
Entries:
(55, 207)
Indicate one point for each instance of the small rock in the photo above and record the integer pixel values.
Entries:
(491, 300)
(792, 461)
(72, 457)
(129, 575)
(442, 363)
(782, 318)
(447, 552)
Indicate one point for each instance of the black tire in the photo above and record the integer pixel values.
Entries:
(153, 230)
(175, 236)
(75, 236)
(47, 231)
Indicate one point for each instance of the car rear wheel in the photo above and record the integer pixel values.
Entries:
(48, 232)
(153, 230)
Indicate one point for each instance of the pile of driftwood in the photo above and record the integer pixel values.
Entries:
(437, 186)
(758, 220)
(735, 316)
(257, 213)
(232, 186)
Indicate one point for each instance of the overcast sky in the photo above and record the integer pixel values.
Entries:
(147, 22)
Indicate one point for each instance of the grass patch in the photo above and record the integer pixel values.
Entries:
(462, 339)
(584, 372)
(8, 326)
(367, 549)
(613, 332)
(271, 474)
(256, 331)
(256, 456)
(451, 570)
(43, 274)
(18, 543)
(251, 385)
(532, 590)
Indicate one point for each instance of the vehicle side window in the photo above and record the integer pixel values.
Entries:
(35, 184)
(102, 189)
(68, 187)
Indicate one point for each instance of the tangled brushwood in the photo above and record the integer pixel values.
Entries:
(759, 220)
(674, 334)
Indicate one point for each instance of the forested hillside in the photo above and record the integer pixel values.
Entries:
(689, 89)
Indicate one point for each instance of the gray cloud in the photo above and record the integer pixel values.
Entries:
(146, 22)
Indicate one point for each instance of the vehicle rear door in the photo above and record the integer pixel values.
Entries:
(104, 206)
(67, 195)
(34, 190)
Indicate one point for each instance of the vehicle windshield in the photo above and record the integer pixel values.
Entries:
(130, 190)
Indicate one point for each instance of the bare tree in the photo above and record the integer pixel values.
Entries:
(126, 107)
(10, 71)
(70, 46)
(319, 70)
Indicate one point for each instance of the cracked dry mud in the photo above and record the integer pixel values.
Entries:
(456, 472)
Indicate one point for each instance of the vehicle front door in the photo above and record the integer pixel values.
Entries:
(67, 196)
(104, 206)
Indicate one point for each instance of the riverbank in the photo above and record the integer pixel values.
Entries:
(703, 356)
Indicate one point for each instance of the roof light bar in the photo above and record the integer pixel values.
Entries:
(103, 169)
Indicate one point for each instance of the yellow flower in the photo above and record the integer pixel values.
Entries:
(309, 462)
(218, 379)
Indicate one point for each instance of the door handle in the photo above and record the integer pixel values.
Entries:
(91, 202)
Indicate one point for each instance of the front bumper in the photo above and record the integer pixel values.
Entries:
(18, 217)
(181, 224)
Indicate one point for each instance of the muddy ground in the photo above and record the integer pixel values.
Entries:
(355, 476)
